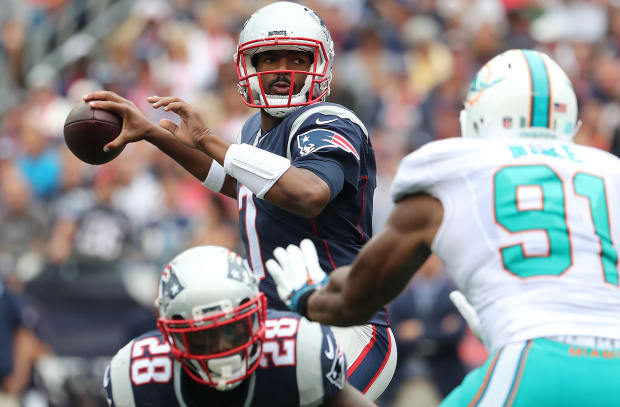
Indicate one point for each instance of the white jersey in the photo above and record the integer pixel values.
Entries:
(530, 232)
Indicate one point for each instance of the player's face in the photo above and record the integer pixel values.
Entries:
(279, 83)
(220, 339)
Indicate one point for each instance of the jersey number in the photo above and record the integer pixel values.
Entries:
(550, 217)
(156, 368)
(280, 342)
(254, 252)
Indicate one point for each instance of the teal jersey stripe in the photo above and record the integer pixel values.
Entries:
(540, 89)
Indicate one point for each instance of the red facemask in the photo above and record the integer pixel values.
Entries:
(237, 332)
(251, 84)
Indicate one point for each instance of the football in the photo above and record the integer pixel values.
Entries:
(87, 130)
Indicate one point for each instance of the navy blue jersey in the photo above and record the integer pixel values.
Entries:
(302, 365)
(10, 321)
(332, 142)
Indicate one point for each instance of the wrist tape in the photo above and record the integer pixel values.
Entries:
(215, 177)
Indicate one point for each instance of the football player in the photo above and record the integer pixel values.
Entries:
(302, 168)
(219, 345)
(528, 225)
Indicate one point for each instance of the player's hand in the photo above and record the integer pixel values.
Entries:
(296, 271)
(469, 314)
(192, 131)
(136, 126)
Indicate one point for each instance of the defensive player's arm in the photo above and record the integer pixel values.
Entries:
(382, 268)
(349, 396)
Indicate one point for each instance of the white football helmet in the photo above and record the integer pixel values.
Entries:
(520, 93)
(288, 26)
(212, 315)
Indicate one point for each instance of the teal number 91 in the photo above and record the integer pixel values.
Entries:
(550, 218)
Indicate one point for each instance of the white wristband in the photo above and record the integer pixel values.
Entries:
(215, 178)
(254, 168)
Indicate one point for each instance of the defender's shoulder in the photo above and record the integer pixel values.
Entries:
(436, 160)
(306, 353)
(321, 364)
(141, 372)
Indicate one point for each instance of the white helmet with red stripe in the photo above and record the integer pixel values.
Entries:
(212, 315)
(284, 26)
(520, 93)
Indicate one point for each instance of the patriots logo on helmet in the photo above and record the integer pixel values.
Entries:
(319, 139)
(170, 286)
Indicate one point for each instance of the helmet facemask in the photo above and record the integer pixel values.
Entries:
(219, 348)
(252, 86)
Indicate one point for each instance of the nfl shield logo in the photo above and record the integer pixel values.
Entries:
(507, 121)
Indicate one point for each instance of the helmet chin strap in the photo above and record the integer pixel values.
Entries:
(227, 369)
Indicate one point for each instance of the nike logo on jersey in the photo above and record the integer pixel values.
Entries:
(329, 354)
(320, 122)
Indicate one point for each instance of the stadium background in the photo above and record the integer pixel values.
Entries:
(83, 246)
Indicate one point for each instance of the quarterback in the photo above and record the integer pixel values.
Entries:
(302, 168)
(528, 225)
(219, 345)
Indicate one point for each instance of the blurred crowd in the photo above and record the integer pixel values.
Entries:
(81, 247)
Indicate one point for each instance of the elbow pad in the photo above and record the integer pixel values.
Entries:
(258, 170)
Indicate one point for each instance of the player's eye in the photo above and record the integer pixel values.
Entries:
(301, 61)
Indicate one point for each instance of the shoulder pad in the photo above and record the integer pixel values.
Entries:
(323, 109)
(318, 352)
(432, 162)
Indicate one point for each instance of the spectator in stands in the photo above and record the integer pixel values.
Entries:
(39, 163)
(23, 230)
(428, 329)
(20, 348)
(98, 237)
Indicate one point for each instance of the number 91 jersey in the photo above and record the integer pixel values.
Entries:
(530, 232)
(302, 365)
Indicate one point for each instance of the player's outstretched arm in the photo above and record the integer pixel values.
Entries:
(269, 176)
(382, 268)
(349, 397)
(379, 273)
